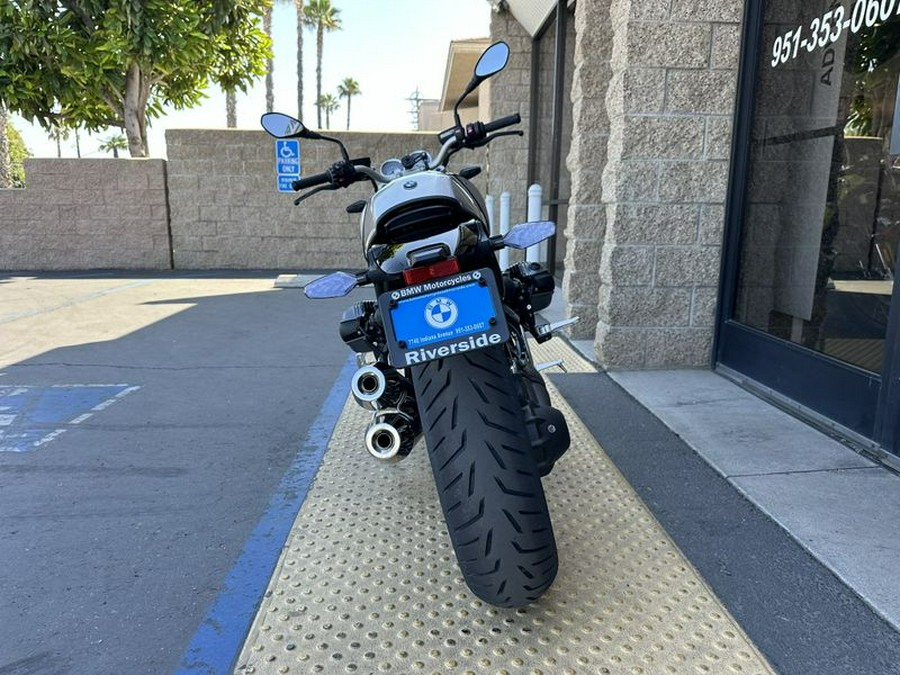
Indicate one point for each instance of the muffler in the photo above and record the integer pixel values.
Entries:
(392, 438)
(368, 385)
(378, 386)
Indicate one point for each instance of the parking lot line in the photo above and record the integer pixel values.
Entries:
(218, 640)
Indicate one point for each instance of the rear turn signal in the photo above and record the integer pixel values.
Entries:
(444, 268)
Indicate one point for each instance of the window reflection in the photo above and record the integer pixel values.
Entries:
(822, 218)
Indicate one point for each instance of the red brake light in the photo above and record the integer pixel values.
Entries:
(444, 268)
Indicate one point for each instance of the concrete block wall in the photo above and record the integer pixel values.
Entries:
(652, 97)
(586, 215)
(666, 168)
(511, 93)
(79, 214)
(226, 211)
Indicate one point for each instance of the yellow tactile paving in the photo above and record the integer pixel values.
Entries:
(367, 582)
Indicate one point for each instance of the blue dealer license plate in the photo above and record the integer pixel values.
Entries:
(442, 318)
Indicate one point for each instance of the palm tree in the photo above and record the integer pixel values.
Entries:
(329, 104)
(349, 88)
(5, 165)
(113, 144)
(270, 82)
(321, 15)
(58, 134)
(301, 24)
(270, 66)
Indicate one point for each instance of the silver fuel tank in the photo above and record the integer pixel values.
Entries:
(418, 206)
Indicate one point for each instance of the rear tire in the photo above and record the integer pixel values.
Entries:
(486, 476)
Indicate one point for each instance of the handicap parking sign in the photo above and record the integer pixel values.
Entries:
(287, 162)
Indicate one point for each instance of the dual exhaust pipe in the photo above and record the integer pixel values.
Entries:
(395, 426)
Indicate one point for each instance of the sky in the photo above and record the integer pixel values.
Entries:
(390, 47)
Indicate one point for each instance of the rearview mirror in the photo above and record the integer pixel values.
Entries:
(280, 125)
(525, 235)
(493, 60)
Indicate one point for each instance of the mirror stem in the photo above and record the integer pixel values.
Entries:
(323, 137)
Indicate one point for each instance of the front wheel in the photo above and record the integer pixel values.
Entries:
(487, 477)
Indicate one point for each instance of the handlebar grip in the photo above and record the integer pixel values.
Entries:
(507, 121)
(311, 181)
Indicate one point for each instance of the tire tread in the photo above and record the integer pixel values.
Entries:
(487, 478)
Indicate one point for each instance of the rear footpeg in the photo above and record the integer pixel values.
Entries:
(548, 329)
(559, 363)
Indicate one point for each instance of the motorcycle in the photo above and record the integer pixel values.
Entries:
(447, 331)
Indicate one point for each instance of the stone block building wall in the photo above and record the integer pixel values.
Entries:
(670, 102)
(227, 213)
(653, 98)
(511, 93)
(586, 216)
(79, 214)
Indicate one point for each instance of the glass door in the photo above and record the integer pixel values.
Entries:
(815, 208)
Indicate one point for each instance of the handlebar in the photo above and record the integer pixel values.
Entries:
(473, 135)
(507, 121)
(311, 181)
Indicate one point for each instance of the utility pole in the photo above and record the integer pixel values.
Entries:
(415, 100)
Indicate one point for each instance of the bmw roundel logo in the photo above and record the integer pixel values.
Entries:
(441, 313)
(395, 295)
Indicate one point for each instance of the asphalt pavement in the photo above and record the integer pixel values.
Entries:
(147, 422)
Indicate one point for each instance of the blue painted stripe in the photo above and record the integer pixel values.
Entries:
(218, 641)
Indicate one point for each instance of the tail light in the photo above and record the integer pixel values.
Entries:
(444, 268)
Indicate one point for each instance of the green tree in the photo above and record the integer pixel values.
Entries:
(100, 63)
(113, 144)
(348, 88)
(329, 104)
(12, 153)
(18, 153)
(322, 16)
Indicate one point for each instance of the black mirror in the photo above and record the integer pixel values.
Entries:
(280, 125)
(493, 60)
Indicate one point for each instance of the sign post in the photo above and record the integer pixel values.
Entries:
(287, 162)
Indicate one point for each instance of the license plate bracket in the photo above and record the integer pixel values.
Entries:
(443, 317)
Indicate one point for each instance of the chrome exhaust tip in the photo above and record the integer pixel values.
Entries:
(391, 439)
(367, 386)
(383, 441)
